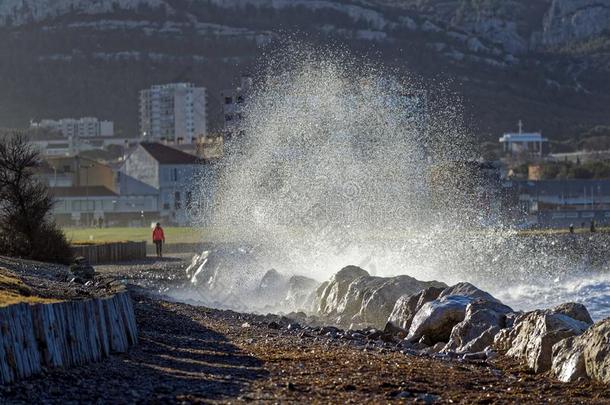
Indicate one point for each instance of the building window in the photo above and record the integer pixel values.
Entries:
(177, 203)
(228, 117)
(228, 100)
(240, 99)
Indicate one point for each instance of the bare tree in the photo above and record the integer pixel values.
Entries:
(27, 229)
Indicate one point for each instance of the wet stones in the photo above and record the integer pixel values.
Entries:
(407, 306)
(482, 321)
(299, 292)
(587, 355)
(436, 319)
(467, 290)
(330, 293)
(353, 298)
(461, 322)
(534, 333)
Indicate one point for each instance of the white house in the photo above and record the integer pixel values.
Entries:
(532, 143)
(175, 174)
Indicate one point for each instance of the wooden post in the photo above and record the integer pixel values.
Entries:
(63, 334)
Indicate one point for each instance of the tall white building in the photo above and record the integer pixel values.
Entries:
(87, 127)
(173, 113)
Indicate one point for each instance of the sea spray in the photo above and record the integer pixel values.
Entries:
(339, 162)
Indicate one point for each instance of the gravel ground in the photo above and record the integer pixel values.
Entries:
(53, 281)
(190, 354)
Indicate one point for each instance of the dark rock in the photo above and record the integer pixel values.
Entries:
(82, 270)
(390, 329)
(274, 325)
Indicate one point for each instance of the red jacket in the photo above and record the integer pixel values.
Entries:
(158, 234)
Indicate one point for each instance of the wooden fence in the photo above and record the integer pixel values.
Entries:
(63, 334)
(111, 252)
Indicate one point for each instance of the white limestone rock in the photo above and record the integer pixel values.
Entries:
(534, 333)
(299, 293)
(379, 304)
(468, 290)
(407, 306)
(587, 355)
(436, 319)
(331, 293)
(483, 319)
(353, 298)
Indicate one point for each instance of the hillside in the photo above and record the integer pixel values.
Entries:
(546, 62)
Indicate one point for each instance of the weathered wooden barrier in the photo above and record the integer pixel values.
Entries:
(111, 252)
(63, 334)
(170, 248)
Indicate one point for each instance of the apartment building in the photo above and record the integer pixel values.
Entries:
(87, 127)
(173, 113)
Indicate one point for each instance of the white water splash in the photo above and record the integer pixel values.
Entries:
(342, 163)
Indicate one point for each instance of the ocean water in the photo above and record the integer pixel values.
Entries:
(592, 290)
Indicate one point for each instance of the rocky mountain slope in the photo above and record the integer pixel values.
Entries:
(544, 61)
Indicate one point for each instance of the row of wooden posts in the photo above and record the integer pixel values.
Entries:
(111, 252)
(63, 334)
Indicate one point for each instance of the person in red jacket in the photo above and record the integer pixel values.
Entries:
(158, 239)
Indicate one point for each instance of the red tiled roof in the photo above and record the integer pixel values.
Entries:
(166, 155)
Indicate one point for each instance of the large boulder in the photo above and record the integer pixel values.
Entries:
(534, 333)
(378, 305)
(357, 292)
(587, 355)
(436, 319)
(227, 274)
(406, 306)
(353, 298)
(467, 290)
(299, 293)
(272, 287)
(330, 294)
(482, 320)
(574, 311)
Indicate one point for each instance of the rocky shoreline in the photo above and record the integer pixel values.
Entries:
(196, 354)
(459, 321)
